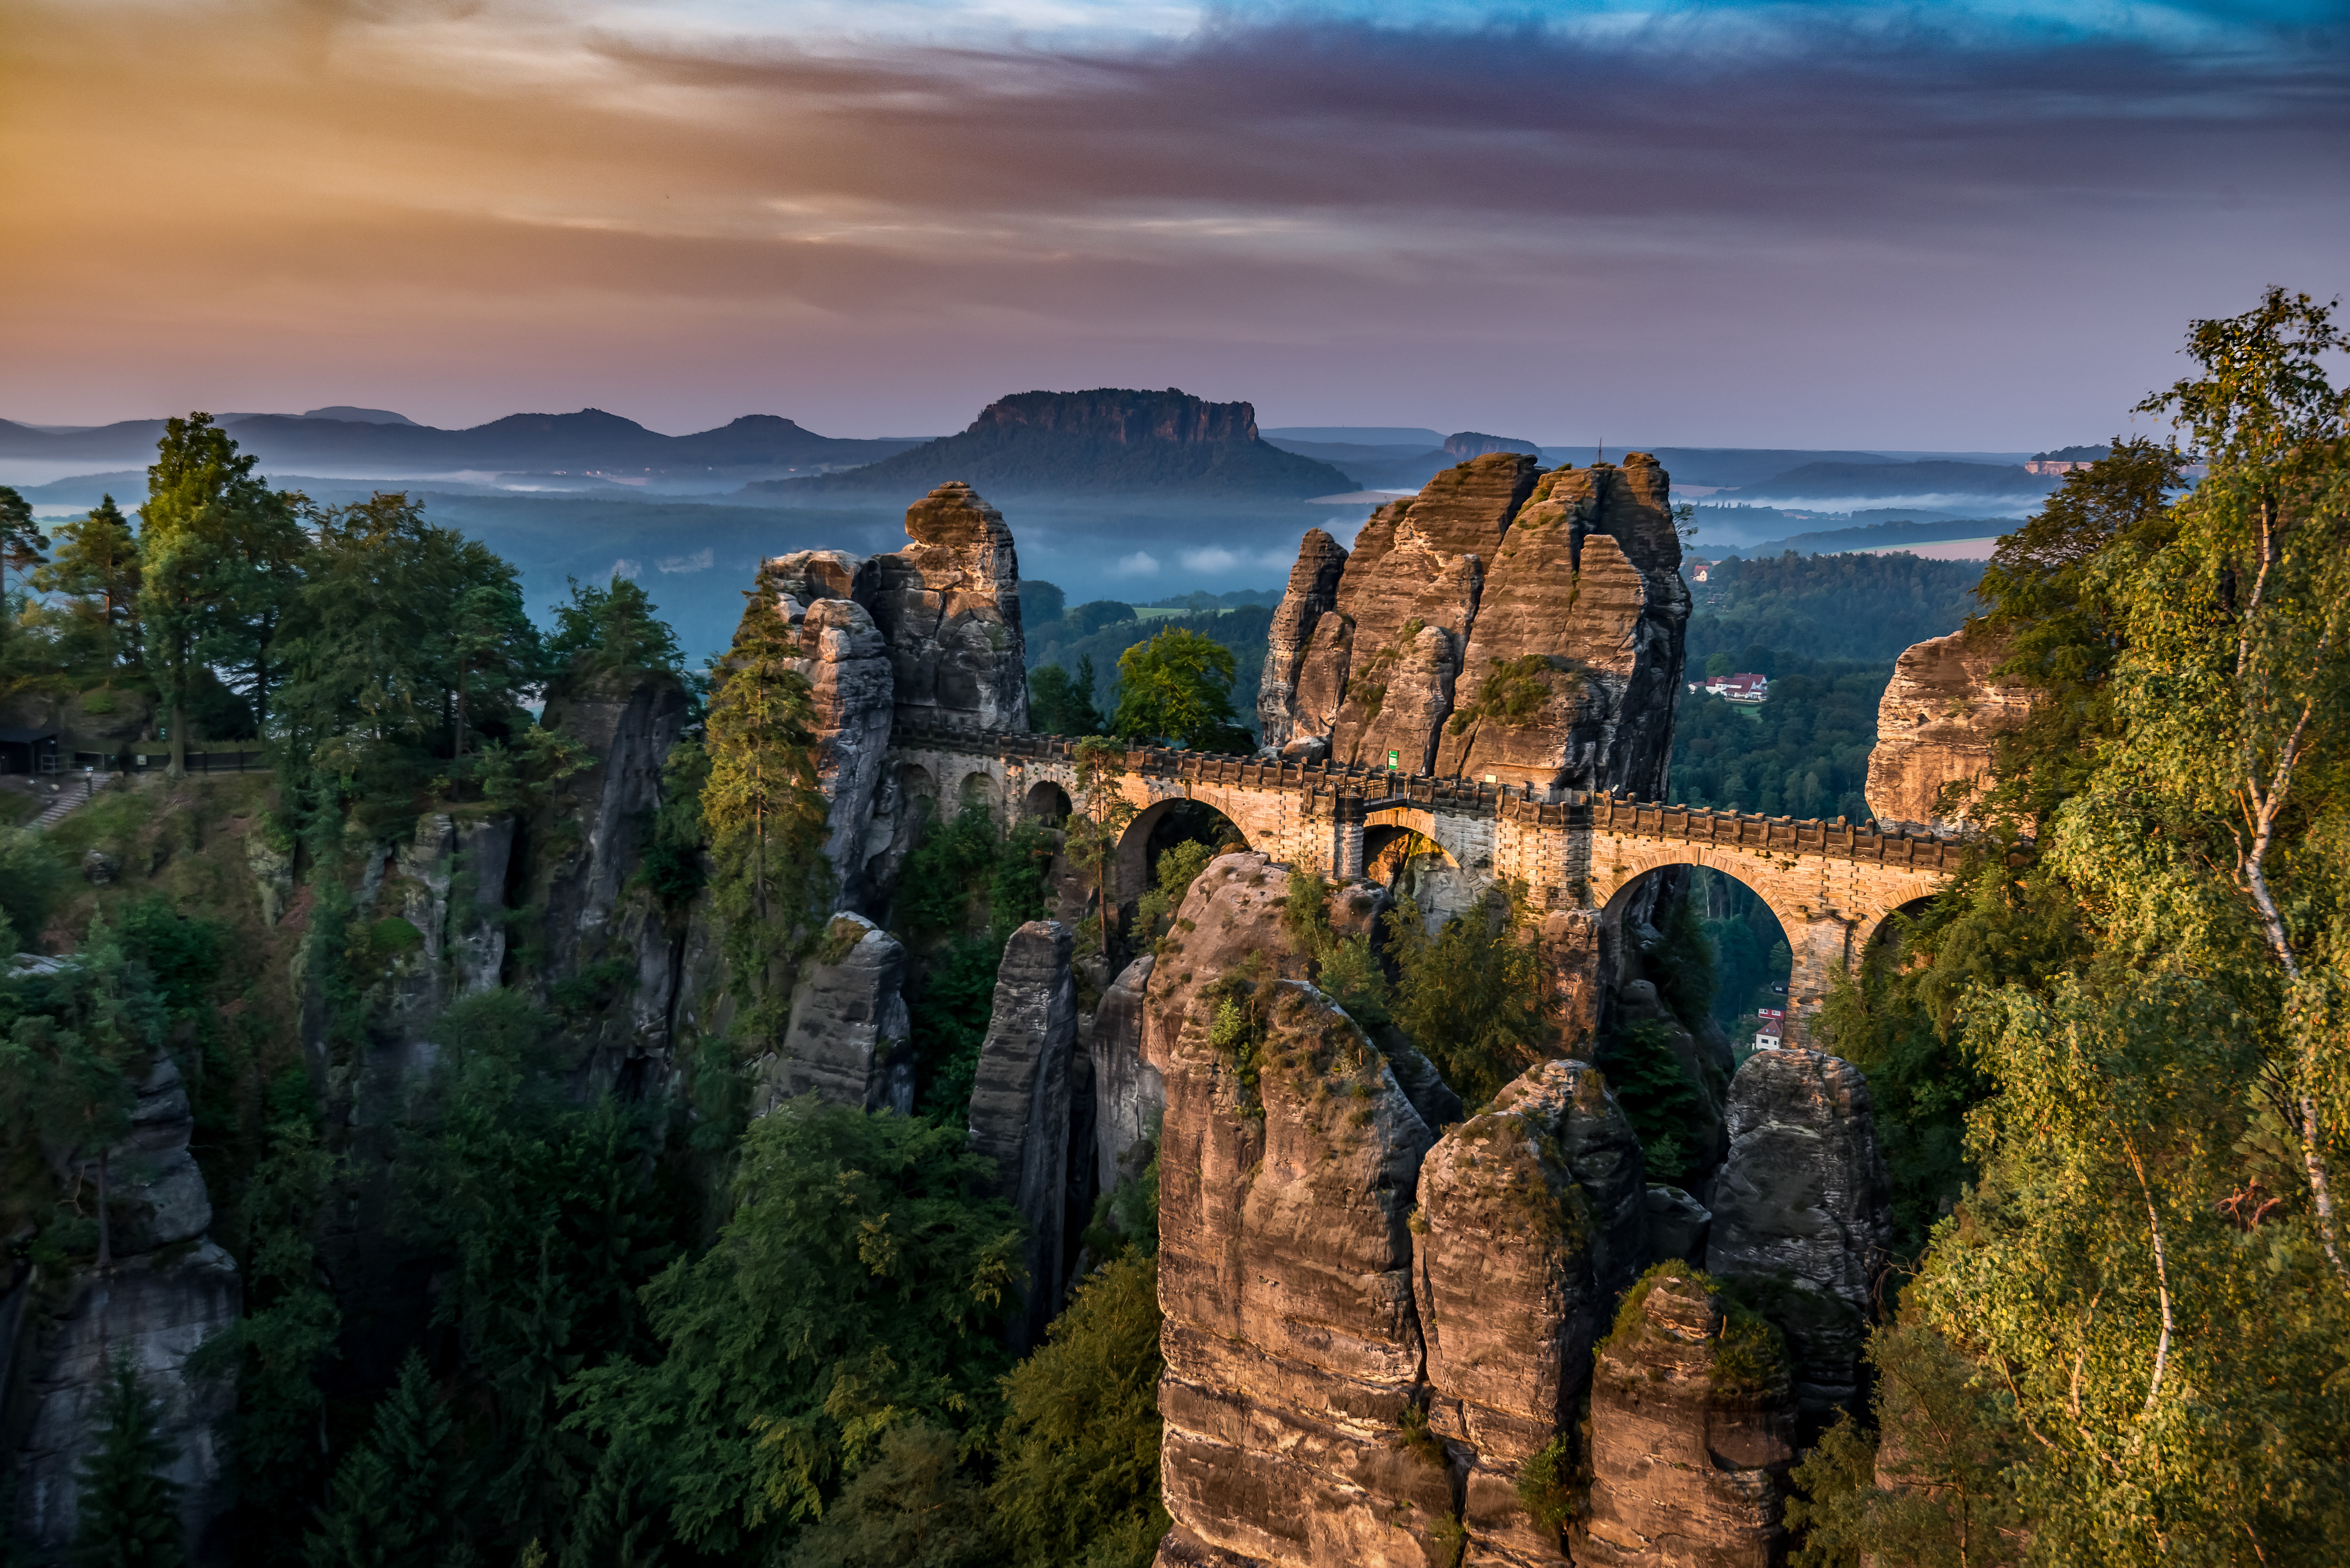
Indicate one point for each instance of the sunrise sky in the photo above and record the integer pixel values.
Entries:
(1943, 226)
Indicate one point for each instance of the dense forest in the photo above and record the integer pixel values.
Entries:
(524, 1297)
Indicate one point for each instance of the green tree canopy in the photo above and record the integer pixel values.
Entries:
(219, 557)
(858, 1289)
(97, 566)
(1177, 688)
(611, 630)
(128, 1513)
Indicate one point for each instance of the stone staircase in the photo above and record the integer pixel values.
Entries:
(76, 792)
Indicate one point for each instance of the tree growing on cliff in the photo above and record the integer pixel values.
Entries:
(762, 813)
(1467, 993)
(1060, 704)
(126, 1513)
(1097, 827)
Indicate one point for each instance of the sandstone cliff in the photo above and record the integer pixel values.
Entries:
(949, 606)
(848, 1038)
(1503, 622)
(1020, 1103)
(1690, 1435)
(1533, 1217)
(1802, 1212)
(1934, 727)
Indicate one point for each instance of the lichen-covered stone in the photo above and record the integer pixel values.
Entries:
(1020, 1102)
(1532, 1218)
(1690, 1445)
(1801, 1211)
(849, 1038)
(1936, 725)
(949, 606)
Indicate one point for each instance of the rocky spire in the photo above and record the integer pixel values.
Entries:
(949, 606)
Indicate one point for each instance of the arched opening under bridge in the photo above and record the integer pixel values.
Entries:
(1712, 945)
(1410, 864)
(1047, 803)
(1159, 828)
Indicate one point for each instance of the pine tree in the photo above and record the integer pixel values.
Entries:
(96, 565)
(392, 1498)
(765, 818)
(128, 1515)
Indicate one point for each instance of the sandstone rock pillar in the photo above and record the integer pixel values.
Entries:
(847, 1032)
(949, 606)
(1129, 1094)
(1936, 724)
(1313, 592)
(1690, 1435)
(1020, 1102)
(1801, 1212)
(1531, 1218)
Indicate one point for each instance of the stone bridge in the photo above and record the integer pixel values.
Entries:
(1832, 886)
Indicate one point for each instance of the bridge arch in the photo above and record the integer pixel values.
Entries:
(1829, 910)
(1161, 826)
(1046, 802)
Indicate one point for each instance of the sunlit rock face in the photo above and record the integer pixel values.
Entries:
(1313, 592)
(1690, 1424)
(1503, 622)
(1936, 725)
(1287, 1166)
(1533, 1218)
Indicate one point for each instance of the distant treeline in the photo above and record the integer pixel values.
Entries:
(1828, 607)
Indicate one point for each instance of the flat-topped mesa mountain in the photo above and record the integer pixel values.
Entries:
(1504, 623)
(751, 445)
(1107, 439)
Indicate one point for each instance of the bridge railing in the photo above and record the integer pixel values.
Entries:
(1365, 788)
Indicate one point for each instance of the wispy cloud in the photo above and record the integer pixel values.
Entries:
(1963, 226)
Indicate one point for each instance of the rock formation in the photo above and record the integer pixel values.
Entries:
(1293, 1348)
(848, 1038)
(1287, 1165)
(852, 688)
(155, 1310)
(1690, 1435)
(1936, 725)
(587, 841)
(1313, 592)
(1801, 1212)
(1533, 1217)
(1129, 1094)
(1499, 623)
(949, 607)
(1020, 1102)
(1678, 1225)
(169, 1291)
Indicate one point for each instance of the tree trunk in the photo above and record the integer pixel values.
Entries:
(178, 722)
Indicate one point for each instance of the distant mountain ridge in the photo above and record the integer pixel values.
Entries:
(752, 444)
(1820, 481)
(1106, 439)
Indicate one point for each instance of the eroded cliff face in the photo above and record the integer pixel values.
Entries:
(1532, 1220)
(847, 1037)
(1801, 1213)
(1020, 1103)
(1503, 622)
(1690, 1428)
(1328, 1263)
(949, 606)
(1936, 725)
(168, 1291)
(583, 846)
